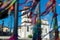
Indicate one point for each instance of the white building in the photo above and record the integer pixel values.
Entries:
(45, 30)
(26, 27)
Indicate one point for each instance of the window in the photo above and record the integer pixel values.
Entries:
(45, 30)
(27, 28)
(20, 27)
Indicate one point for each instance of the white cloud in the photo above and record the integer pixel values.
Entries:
(58, 23)
(58, 4)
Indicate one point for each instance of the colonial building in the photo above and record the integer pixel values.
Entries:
(4, 29)
(26, 27)
(45, 30)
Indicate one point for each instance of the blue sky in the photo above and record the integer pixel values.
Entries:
(42, 6)
(49, 16)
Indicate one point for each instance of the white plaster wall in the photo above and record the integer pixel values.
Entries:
(45, 26)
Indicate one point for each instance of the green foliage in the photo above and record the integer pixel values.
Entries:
(30, 36)
(39, 21)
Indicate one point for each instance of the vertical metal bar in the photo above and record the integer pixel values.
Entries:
(9, 14)
(2, 25)
(55, 25)
(15, 31)
(39, 24)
